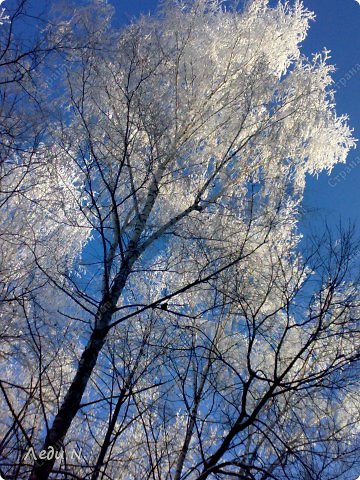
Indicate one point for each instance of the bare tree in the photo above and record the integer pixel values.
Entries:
(158, 252)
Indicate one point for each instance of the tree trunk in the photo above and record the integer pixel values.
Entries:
(70, 406)
(71, 403)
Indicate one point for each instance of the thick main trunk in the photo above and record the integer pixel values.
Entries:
(70, 405)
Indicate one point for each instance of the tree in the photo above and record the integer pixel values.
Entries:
(162, 262)
(21, 122)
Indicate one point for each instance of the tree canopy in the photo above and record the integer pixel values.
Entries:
(159, 313)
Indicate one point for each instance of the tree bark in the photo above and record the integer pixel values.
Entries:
(70, 406)
(71, 403)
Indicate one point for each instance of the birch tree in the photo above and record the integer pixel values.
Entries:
(160, 257)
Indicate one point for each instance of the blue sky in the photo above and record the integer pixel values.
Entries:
(337, 27)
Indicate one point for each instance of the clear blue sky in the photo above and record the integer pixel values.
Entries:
(337, 27)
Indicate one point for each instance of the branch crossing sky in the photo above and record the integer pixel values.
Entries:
(336, 28)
